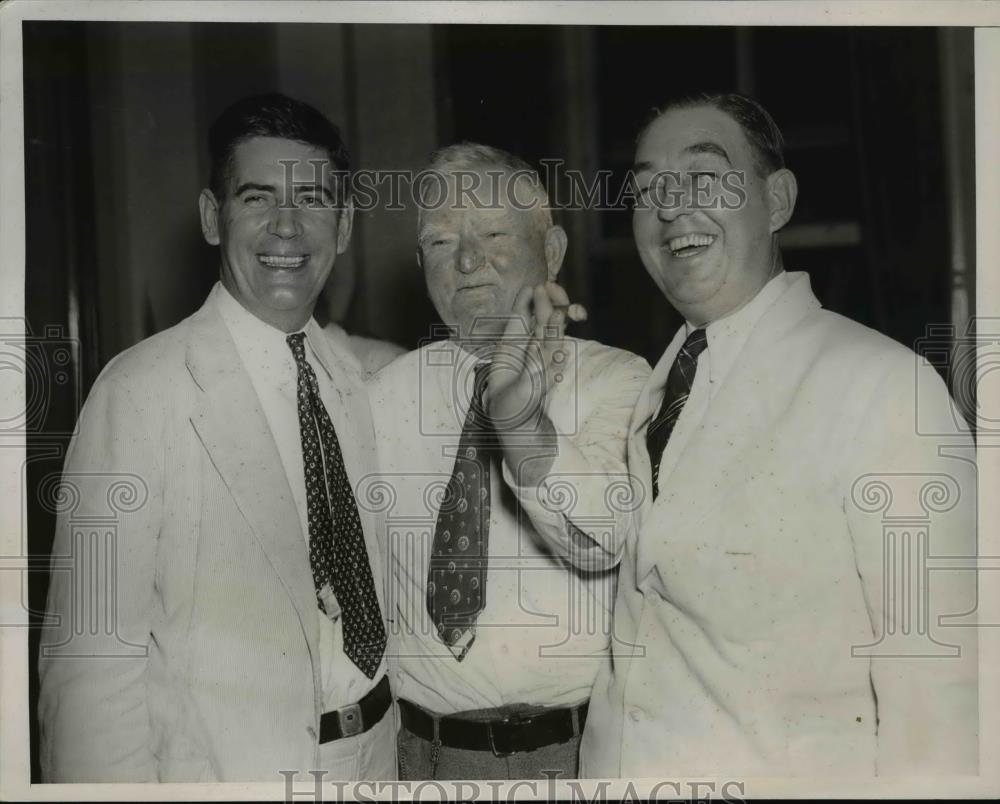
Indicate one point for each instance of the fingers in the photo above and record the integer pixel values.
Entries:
(520, 321)
(560, 301)
(543, 312)
(510, 348)
(558, 294)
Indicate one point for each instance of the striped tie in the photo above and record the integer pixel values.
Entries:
(675, 394)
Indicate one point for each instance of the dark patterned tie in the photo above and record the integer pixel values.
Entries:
(456, 577)
(340, 565)
(675, 394)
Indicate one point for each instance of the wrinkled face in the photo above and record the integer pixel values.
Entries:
(477, 259)
(278, 228)
(710, 249)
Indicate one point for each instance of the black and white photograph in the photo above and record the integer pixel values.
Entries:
(478, 401)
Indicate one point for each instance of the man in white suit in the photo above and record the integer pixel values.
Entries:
(775, 614)
(246, 640)
(504, 446)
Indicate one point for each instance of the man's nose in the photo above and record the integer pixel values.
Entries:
(470, 254)
(284, 222)
(673, 201)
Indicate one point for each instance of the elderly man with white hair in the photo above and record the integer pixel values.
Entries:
(504, 446)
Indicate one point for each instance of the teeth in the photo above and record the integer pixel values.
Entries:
(676, 244)
(275, 261)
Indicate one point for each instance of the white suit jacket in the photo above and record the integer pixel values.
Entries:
(184, 641)
(772, 613)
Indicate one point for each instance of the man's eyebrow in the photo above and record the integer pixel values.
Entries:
(312, 188)
(695, 148)
(249, 185)
(708, 148)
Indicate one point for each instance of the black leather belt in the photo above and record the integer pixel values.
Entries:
(503, 737)
(356, 718)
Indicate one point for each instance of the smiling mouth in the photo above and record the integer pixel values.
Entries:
(689, 245)
(285, 262)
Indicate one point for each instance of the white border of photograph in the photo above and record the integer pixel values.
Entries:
(14, 742)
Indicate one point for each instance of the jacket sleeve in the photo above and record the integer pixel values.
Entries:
(911, 511)
(584, 506)
(93, 712)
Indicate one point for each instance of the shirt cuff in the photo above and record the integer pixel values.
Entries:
(574, 493)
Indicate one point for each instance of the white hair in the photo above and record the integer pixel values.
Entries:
(473, 156)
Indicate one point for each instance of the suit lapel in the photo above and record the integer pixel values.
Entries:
(640, 468)
(231, 424)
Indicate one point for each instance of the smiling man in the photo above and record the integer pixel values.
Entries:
(504, 446)
(249, 642)
(763, 619)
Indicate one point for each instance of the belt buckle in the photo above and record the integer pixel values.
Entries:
(350, 720)
(507, 721)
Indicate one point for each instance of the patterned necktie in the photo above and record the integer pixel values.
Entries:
(340, 565)
(675, 394)
(456, 577)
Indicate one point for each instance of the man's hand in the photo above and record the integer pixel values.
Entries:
(527, 356)
(525, 360)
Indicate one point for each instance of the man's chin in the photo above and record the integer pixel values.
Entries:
(480, 330)
(283, 308)
(480, 320)
(283, 305)
(694, 288)
(289, 293)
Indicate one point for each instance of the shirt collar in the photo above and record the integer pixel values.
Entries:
(473, 358)
(266, 345)
(457, 371)
(727, 335)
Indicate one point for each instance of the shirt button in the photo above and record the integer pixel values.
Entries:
(635, 713)
(504, 649)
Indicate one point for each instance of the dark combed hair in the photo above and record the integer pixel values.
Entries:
(758, 126)
(270, 115)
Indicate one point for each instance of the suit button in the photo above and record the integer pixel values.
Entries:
(635, 713)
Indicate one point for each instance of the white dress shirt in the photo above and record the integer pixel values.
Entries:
(269, 361)
(545, 628)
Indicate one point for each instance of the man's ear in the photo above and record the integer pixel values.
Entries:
(345, 225)
(208, 207)
(782, 190)
(555, 250)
